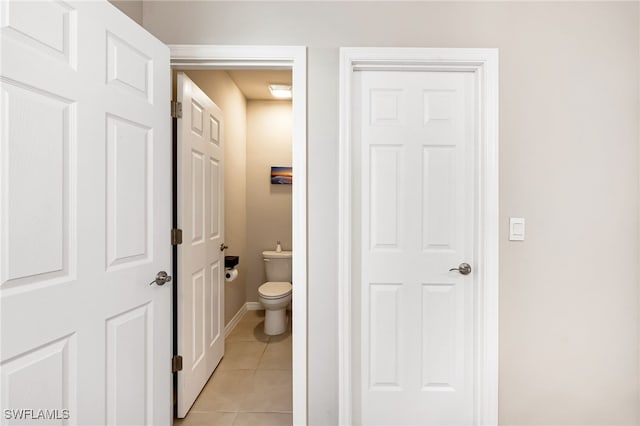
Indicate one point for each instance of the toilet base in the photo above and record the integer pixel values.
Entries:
(275, 321)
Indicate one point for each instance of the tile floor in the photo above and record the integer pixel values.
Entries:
(252, 384)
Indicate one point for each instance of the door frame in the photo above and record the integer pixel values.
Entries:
(218, 57)
(483, 63)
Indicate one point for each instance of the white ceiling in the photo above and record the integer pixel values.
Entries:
(254, 84)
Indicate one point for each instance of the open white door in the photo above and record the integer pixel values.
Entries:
(200, 256)
(85, 217)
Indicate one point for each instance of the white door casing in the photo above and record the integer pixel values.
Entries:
(200, 261)
(85, 215)
(419, 136)
(295, 59)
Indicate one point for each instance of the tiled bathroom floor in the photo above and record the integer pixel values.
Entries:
(252, 384)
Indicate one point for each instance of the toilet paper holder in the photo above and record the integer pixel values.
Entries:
(231, 261)
(230, 271)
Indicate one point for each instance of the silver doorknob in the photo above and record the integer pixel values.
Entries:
(464, 269)
(161, 278)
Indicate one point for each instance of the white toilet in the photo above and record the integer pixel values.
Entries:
(275, 294)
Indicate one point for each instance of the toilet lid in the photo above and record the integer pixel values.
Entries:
(274, 289)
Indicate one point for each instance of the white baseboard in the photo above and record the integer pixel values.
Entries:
(235, 320)
(253, 306)
(249, 306)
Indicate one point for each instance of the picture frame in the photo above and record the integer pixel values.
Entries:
(281, 175)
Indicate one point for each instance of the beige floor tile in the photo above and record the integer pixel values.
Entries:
(253, 317)
(271, 392)
(210, 418)
(225, 391)
(241, 355)
(263, 419)
(282, 338)
(249, 330)
(263, 396)
(277, 356)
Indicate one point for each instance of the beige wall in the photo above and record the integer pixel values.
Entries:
(131, 8)
(223, 91)
(569, 74)
(269, 134)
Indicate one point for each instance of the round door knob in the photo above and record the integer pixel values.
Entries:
(464, 269)
(161, 278)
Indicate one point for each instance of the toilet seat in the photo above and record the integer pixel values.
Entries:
(274, 289)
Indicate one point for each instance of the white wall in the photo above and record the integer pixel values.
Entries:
(223, 91)
(269, 133)
(569, 77)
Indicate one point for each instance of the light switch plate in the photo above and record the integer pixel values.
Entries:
(516, 229)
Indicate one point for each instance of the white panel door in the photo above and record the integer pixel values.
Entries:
(200, 259)
(85, 211)
(414, 137)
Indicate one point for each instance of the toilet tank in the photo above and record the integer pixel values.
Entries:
(277, 265)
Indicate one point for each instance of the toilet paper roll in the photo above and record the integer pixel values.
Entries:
(230, 275)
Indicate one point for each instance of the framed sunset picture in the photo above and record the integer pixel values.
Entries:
(281, 175)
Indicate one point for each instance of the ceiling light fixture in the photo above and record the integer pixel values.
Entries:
(280, 91)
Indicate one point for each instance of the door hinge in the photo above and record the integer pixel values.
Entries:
(176, 363)
(176, 109)
(176, 236)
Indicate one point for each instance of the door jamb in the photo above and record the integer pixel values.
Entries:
(484, 64)
(199, 57)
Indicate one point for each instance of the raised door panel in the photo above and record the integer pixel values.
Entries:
(216, 301)
(198, 317)
(129, 367)
(198, 187)
(387, 107)
(48, 27)
(37, 147)
(129, 69)
(439, 224)
(439, 107)
(129, 227)
(385, 346)
(197, 119)
(40, 385)
(385, 195)
(442, 337)
(214, 130)
(214, 193)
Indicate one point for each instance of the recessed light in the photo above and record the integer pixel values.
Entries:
(280, 91)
